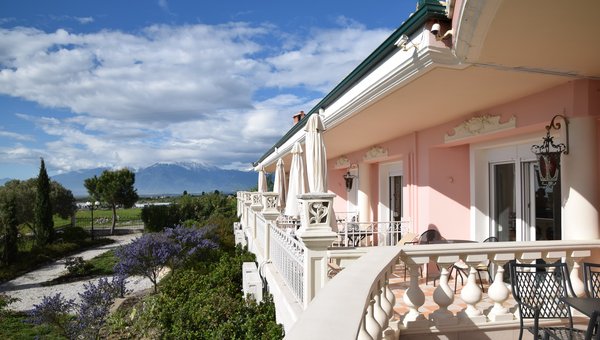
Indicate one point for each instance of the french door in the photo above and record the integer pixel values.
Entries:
(521, 207)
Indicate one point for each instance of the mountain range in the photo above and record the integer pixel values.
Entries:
(169, 179)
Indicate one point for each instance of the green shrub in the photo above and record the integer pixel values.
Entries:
(206, 302)
(158, 217)
(77, 266)
(73, 234)
(201, 302)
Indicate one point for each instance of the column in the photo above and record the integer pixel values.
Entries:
(316, 234)
(579, 180)
(364, 192)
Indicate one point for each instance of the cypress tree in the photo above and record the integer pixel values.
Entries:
(9, 223)
(43, 224)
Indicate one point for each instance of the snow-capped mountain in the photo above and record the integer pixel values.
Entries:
(170, 178)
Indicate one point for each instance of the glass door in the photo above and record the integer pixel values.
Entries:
(503, 202)
(545, 206)
(395, 198)
(522, 208)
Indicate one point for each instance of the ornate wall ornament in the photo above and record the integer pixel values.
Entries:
(256, 197)
(376, 152)
(318, 212)
(479, 125)
(342, 163)
(271, 202)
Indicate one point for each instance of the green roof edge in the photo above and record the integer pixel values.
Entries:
(428, 9)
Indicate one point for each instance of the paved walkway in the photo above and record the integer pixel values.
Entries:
(29, 290)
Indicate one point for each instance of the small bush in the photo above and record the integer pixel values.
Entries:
(77, 266)
(158, 217)
(73, 234)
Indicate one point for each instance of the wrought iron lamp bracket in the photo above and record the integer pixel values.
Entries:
(548, 140)
(548, 153)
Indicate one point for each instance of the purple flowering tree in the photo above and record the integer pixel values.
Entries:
(189, 242)
(95, 304)
(147, 255)
(89, 315)
(54, 310)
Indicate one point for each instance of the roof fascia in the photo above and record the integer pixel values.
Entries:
(427, 10)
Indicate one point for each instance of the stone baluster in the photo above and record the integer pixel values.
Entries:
(246, 212)
(363, 334)
(443, 296)
(414, 296)
(270, 212)
(386, 304)
(498, 292)
(471, 294)
(389, 294)
(373, 327)
(573, 261)
(380, 314)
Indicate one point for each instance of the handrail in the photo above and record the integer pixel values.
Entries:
(433, 250)
(349, 295)
(346, 296)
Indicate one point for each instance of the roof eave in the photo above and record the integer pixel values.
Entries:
(427, 10)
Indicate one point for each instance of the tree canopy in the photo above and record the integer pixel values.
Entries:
(91, 184)
(43, 224)
(61, 199)
(116, 188)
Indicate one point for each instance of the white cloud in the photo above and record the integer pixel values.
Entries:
(164, 5)
(324, 59)
(17, 136)
(84, 20)
(172, 93)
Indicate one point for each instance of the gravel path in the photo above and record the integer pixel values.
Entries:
(29, 290)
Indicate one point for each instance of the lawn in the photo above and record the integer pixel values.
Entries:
(102, 218)
(101, 265)
(31, 257)
(14, 326)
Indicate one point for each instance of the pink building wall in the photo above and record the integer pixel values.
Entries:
(442, 175)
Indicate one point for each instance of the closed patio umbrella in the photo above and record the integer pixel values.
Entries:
(316, 158)
(297, 182)
(262, 181)
(279, 186)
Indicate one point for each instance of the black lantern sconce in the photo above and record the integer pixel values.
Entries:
(548, 153)
(349, 178)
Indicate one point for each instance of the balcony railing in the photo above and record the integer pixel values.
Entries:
(367, 234)
(287, 254)
(359, 303)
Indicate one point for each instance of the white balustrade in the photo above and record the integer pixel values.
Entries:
(360, 296)
(287, 254)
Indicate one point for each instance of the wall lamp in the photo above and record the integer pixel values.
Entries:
(436, 30)
(349, 178)
(404, 43)
(548, 153)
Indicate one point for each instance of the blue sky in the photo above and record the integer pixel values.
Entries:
(88, 84)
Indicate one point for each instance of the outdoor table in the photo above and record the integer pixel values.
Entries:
(356, 236)
(449, 241)
(589, 307)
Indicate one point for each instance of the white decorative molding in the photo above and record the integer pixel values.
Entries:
(479, 125)
(342, 163)
(376, 152)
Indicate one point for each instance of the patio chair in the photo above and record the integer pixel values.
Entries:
(591, 278)
(407, 238)
(462, 269)
(333, 269)
(537, 289)
(427, 237)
